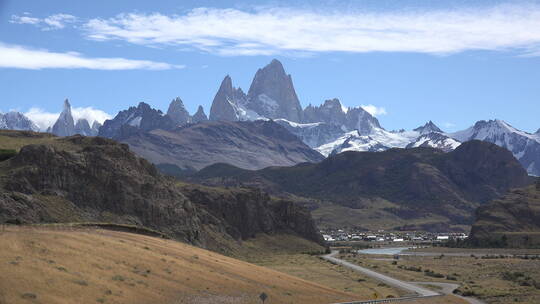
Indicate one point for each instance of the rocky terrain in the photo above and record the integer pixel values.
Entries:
(511, 221)
(419, 188)
(93, 179)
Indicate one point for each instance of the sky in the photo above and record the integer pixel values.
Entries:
(407, 62)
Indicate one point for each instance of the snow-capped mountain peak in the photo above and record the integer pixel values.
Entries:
(435, 140)
(524, 146)
(490, 129)
(429, 127)
(17, 121)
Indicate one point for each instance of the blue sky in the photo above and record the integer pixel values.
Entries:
(418, 60)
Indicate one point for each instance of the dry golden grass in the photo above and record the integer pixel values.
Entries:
(16, 139)
(311, 267)
(482, 276)
(58, 265)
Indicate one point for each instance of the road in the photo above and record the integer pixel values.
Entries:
(381, 277)
(446, 288)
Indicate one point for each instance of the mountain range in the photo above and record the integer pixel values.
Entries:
(329, 128)
(419, 188)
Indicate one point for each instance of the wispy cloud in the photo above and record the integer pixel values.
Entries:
(44, 119)
(15, 56)
(53, 22)
(374, 110)
(282, 30)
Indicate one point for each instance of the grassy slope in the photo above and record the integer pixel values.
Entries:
(89, 266)
(17, 139)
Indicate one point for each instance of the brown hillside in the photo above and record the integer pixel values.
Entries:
(57, 265)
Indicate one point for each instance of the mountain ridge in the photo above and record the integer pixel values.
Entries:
(409, 184)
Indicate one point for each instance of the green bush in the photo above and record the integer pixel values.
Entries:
(7, 154)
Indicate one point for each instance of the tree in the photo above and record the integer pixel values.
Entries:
(263, 297)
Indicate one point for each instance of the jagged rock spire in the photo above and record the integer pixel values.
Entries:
(429, 127)
(178, 113)
(199, 115)
(272, 94)
(225, 103)
(64, 125)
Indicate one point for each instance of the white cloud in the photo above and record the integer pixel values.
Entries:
(44, 119)
(24, 20)
(15, 56)
(374, 110)
(282, 30)
(53, 22)
(58, 21)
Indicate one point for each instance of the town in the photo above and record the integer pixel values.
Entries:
(352, 235)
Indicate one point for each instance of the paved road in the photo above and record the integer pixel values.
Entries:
(446, 288)
(381, 277)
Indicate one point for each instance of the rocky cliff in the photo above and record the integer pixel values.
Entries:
(85, 179)
(511, 221)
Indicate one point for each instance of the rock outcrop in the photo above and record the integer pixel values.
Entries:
(511, 221)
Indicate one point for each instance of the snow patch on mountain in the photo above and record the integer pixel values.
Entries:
(435, 140)
(377, 140)
(524, 146)
(17, 121)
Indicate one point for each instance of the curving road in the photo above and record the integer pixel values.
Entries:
(381, 277)
(446, 288)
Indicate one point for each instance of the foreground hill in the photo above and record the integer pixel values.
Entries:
(93, 179)
(417, 188)
(511, 221)
(60, 265)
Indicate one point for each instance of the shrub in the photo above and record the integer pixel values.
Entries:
(7, 154)
(431, 273)
(28, 296)
(118, 278)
